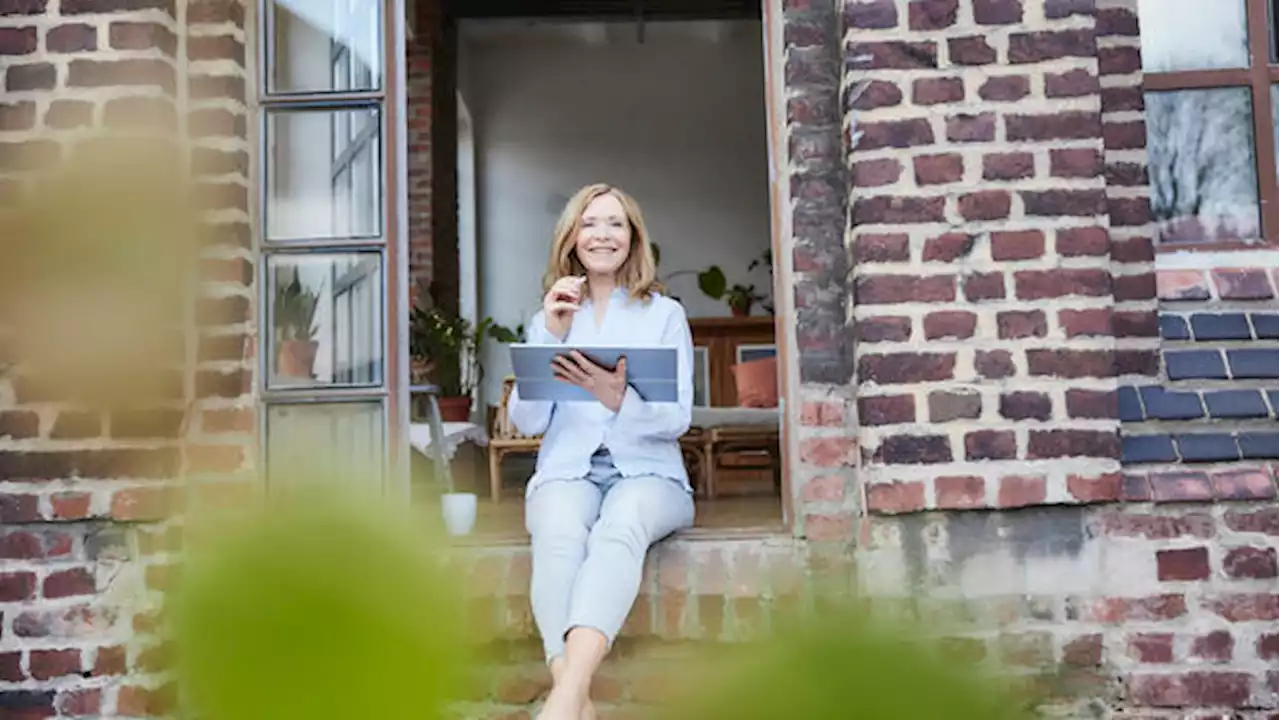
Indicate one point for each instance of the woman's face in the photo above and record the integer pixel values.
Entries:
(604, 238)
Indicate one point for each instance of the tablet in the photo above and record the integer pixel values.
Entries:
(652, 371)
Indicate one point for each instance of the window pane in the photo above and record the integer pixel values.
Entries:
(341, 441)
(1193, 34)
(1275, 120)
(324, 171)
(1204, 183)
(325, 45)
(1271, 30)
(326, 315)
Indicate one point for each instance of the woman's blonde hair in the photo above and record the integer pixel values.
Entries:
(639, 272)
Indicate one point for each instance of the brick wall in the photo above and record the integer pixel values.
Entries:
(85, 493)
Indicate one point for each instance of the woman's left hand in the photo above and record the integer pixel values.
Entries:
(609, 387)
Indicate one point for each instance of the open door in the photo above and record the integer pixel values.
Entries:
(331, 218)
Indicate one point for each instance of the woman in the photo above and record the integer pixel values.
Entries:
(610, 478)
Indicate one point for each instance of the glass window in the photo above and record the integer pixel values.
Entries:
(1180, 35)
(342, 442)
(324, 46)
(327, 319)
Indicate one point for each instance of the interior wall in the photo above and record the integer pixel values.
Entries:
(677, 120)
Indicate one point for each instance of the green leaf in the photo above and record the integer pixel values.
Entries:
(712, 282)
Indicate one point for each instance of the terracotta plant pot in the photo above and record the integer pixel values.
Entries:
(455, 409)
(296, 358)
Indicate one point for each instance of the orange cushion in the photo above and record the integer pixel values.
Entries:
(757, 383)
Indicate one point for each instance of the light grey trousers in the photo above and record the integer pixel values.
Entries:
(589, 539)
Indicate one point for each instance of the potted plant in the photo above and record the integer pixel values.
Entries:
(712, 282)
(445, 351)
(294, 312)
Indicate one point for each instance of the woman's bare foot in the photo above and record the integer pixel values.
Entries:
(564, 705)
(589, 710)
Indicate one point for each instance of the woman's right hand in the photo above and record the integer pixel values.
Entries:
(560, 303)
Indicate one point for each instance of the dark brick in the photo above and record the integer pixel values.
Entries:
(1259, 445)
(914, 450)
(1163, 404)
(871, 14)
(810, 67)
(1070, 363)
(971, 50)
(1208, 447)
(1119, 60)
(1058, 203)
(1043, 284)
(1047, 444)
(1265, 325)
(1117, 99)
(77, 7)
(1128, 212)
(938, 169)
(876, 172)
(984, 205)
(896, 55)
(886, 410)
(882, 247)
(950, 324)
(932, 14)
(1026, 406)
(994, 364)
(1220, 326)
(1005, 88)
(1092, 404)
(1075, 162)
(1135, 323)
(984, 286)
(1256, 563)
(1135, 287)
(1254, 363)
(948, 406)
(69, 114)
(883, 329)
(1009, 245)
(997, 12)
(1242, 284)
(1236, 404)
(895, 133)
(1130, 407)
(906, 367)
(948, 247)
(27, 704)
(1008, 166)
(990, 445)
(1036, 47)
(1174, 327)
(1133, 250)
(875, 94)
(1073, 83)
(19, 424)
(1195, 364)
(899, 210)
(1182, 564)
(1019, 324)
(980, 127)
(1273, 397)
(131, 72)
(1131, 135)
(1137, 362)
(22, 7)
(32, 76)
(1126, 174)
(1059, 9)
(935, 91)
(892, 289)
(1141, 449)
(1117, 21)
(99, 463)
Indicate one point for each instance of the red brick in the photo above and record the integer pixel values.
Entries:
(914, 450)
(945, 406)
(948, 247)
(828, 451)
(894, 133)
(1082, 241)
(131, 72)
(1043, 284)
(960, 492)
(984, 205)
(17, 41)
(1180, 487)
(883, 329)
(882, 247)
(1021, 490)
(79, 702)
(876, 94)
(216, 47)
(938, 169)
(1048, 444)
(1072, 83)
(1092, 404)
(1016, 245)
(1191, 689)
(871, 14)
(1078, 323)
(1123, 523)
(79, 7)
(824, 488)
(19, 507)
(1182, 564)
(1242, 284)
(148, 36)
(22, 7)
(1182, 285)
(980, 127)
(1059, 203)
(143, 503)
(877, 172)
(1244, 607)
(1266, 520)
(1026, 405)
(906, 367)
(892, 289)
(1134, 287)
(1083, 651)
(1266, 647)
(110, 661)
(984, 286)
(822, 414)
(1116, 610)
(1217, 646)
(897, 55)
(1119, 60)
(66, 583)
(1107, 487)
(971, 50)
(895, 497)
(49, 664)
(1152, 647)
(886, 410)
(16, 586)
(1018, 324)
(1133, 250)
(11, 667)
(994, 364)
(932, 14)
(1075, 162)
(1005, 88)
(1250, 562)
(1036, 47)
(1064, 125)
(935, 91)
(997, 12)
(1129, 212)
(72, 38)
(1008, 166)
(822, 527)
(899, 210)
(951, 324)
(990, 445)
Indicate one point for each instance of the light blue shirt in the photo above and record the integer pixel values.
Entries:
(642, 437)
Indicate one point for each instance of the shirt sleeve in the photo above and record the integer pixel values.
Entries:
(531, 417)
(664, 421)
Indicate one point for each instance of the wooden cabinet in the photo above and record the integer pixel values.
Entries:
(719, 343)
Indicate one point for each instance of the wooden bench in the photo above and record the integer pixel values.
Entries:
(505, 439)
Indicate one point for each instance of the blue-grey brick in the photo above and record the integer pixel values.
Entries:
(1130, 406)
(1259, 445)
(1137, 449)
(1273, 397)
(1220, 326)
(1265, 326)
(1174, 327)
(1236, 404)
(1214, 447)
(1162, 404)
(1254, 363)
(1203, 364)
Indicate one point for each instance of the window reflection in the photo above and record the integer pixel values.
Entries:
(325, 45)
(1180, 35)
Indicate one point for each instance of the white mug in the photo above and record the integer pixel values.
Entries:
(459, 511)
